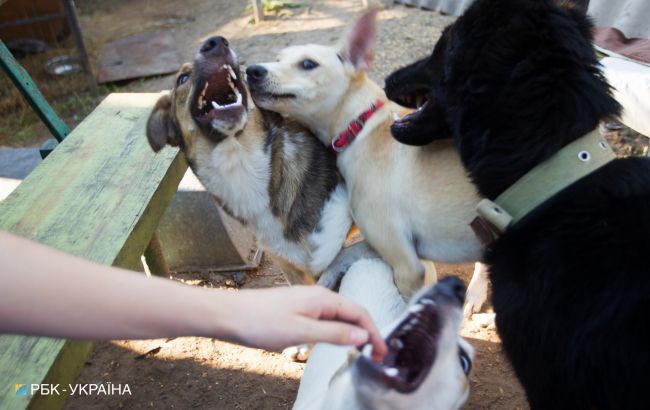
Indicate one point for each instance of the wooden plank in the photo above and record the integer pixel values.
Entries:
(99, 195)
(32, 94)
(137, 56)
(33, 355)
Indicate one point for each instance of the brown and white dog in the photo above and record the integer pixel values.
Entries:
(408, 202)
(427, 366)
(266, 171)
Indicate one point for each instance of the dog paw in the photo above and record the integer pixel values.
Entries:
(474, 302)
(299, 353)
(477, 291)
(485, 320)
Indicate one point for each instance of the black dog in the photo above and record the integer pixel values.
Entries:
(514, 81)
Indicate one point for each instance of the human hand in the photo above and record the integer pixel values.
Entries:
(280, 317)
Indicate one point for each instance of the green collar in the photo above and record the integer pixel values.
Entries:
(576, 160)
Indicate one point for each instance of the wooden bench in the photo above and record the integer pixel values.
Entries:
(98, 195)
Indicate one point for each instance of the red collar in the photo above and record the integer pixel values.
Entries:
(354, 128)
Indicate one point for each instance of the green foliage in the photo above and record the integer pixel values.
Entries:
(276, 7)
(24, 128)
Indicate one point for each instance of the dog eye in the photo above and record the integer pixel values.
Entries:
(465, 361)
(308, 64)
(182, 78)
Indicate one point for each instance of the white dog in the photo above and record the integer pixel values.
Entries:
(427, 365)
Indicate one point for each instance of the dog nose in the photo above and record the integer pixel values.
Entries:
(214, 45)
(452, 287)
(256, 73)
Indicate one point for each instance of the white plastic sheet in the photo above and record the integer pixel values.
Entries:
(632, 17)
(631, 82)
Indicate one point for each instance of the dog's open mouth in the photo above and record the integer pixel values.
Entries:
(413, 99)
(423, 125)
(412, 348)
(418, 99)
(220, 96)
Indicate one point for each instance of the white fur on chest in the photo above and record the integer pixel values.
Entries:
(335, 220)
(239, 175)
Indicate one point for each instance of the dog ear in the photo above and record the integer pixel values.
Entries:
(361, 39)
(161, 129)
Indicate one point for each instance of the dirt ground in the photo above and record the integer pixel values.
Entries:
(188, 373)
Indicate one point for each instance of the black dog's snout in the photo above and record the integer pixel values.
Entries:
(214, 45)
(452, 287)
(256, 73)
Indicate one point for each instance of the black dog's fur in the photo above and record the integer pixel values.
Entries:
(513, 81)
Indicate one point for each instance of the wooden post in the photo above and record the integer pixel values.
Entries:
(258, 11)
(155, 258)
(73, 21)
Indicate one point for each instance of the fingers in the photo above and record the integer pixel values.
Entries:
(379, 348)
(343, 310)
(333, 332)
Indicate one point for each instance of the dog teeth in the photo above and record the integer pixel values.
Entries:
(396, 117)
(428, 301)
(396, 343)
(202, 96)
(416, 308)
(232, 72)
(391, 371)
(414, 321)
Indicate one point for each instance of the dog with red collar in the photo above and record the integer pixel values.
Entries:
(408, 203)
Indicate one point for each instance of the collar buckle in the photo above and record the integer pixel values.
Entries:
(336, 149)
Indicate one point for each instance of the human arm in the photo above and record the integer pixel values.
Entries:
(46, 292)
